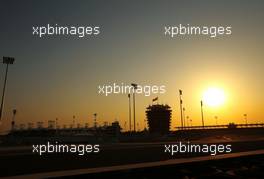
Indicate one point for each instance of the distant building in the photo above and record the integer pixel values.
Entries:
(159, 118)
(79, 134)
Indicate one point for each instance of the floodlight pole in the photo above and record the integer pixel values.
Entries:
(134, 104)
(180, 94)
(13, 120)
(129, 111)
(7, 61)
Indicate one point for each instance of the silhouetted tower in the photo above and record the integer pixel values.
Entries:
(159, 118)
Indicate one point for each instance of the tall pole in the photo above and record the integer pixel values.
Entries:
(7, 61)
(180, 92)
(13, 120)
(129, 111)
(3, 95)
(134, 107)
(134, 104)
(202, 113)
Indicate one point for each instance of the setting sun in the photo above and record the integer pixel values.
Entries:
(214, 97)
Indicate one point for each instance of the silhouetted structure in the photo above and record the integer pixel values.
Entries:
(40, 134)
(13, 119)
(8, 61)
(159, 118)
(135, 86)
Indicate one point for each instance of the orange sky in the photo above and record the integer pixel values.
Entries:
(59, 77)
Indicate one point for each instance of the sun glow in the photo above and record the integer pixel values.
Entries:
(214, 97)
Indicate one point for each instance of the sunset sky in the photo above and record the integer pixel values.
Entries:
(58, 77)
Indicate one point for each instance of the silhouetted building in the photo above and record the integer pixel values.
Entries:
(79, 134)
(159, 118)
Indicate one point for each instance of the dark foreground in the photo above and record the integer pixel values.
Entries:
(131, 159)
(238, 167)
(22, 162)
